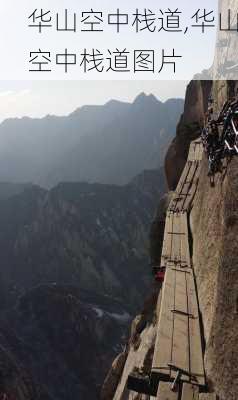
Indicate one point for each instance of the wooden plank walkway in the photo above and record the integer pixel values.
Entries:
(177, 365)
(183, 197)
(195, 151)
(188, 392)
(175, 244)
(178, 349)
(178, 342)
(165, 392)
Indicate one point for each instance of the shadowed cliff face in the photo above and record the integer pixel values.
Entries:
(188, 129)
(16, 383)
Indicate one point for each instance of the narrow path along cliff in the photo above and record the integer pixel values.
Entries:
(178, 356)
(183, 344)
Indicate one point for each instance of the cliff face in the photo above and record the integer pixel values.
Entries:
(16, 383)
(188, 129)
(215, 228)
(214, 223)
(225, 61)
(137, 354)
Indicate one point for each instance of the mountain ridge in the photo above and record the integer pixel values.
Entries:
(104, 144)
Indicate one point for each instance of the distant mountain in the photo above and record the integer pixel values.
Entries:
(74, 257)
(74, 268)
(8, 189)
(91, 235)
(106, 144)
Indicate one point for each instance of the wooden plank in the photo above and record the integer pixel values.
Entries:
(186, 348)
(176, 239)
(163, 344)
(196, 151)
(177, 197)
(196, 353)
(185, 252)
(182, 191)
(189, 181)
(165, 392)
(193, 188)
(190, 392)
(208, 396)
(190, 153)
(166, 250)
(180, 349)
(197, 155)
(185, 205)
(189, 201)
(182, 177)
(192, 150)
(178, 340)
(201, 152)
(169, 228)
(158, 306)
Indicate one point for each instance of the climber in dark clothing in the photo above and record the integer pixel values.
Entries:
(212, 137)
(229, 119)
(204, 138)
(214, 150)
(223, 112)
(220, 135)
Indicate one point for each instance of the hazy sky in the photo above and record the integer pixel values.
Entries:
(36, 99)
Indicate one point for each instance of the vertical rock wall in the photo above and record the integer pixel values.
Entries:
(214, 223)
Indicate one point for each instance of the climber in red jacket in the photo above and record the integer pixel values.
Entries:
(159, 276)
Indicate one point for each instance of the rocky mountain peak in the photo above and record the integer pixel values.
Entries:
(143, 98)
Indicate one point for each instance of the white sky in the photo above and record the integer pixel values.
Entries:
(39, 98)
